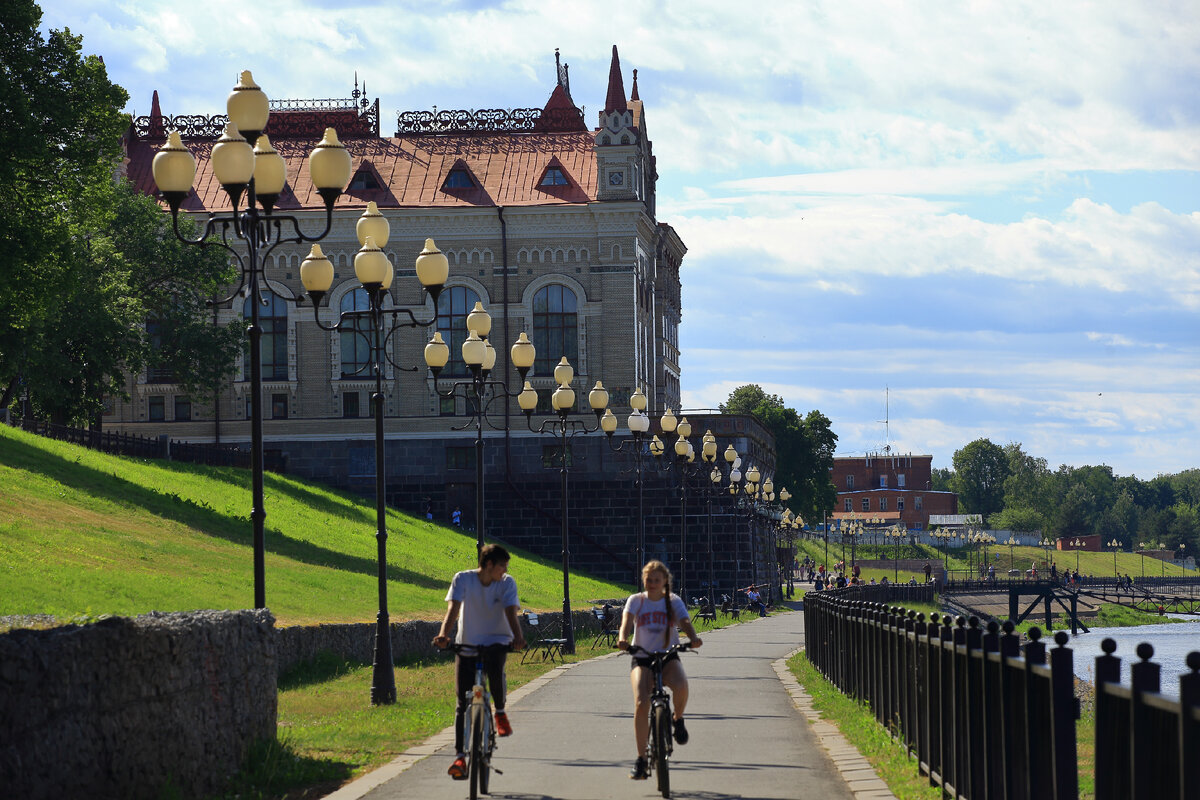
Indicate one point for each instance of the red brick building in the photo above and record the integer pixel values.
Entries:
(890, 488)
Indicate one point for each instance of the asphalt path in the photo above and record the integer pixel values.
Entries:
(573, 734)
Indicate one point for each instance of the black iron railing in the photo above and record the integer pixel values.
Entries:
(989, 716)
(135, 446)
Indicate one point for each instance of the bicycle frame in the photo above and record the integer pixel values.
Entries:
(479, 714)
(660, 709)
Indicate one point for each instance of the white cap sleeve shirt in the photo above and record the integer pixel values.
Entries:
(482, 620)
(650, 621)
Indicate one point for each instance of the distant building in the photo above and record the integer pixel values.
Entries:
(888, 488)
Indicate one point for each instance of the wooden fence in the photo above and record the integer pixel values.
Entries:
(990, 717)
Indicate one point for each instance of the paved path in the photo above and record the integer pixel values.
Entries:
(573, 736)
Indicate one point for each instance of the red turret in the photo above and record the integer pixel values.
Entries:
(616, 87)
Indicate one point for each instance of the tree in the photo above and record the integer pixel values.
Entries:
(981, 469)
(88, 262)
(804, 447)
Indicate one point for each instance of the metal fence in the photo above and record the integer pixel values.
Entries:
(988, 716)
(135, 446)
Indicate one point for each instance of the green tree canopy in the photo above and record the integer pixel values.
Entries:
(804, 447)
(88, 262)
(981, 469)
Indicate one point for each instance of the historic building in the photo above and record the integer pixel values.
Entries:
(549, 223)
(889, 488)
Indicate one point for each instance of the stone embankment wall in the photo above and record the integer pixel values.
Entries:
(133, 708)
(356, 641)
(165, 703)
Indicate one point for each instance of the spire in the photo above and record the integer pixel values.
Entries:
(616, 87)
(157, 131)
(634, 95)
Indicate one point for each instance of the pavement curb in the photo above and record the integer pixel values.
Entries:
(362, 786)
(855, 770)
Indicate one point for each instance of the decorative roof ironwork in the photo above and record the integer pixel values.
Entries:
(290, 119)
(490, 121)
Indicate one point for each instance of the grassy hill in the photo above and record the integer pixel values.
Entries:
(85, 533)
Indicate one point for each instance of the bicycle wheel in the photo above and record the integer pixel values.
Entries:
(475, 750)
(485, 748)
(662, 735)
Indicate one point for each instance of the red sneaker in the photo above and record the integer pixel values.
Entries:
(458, 770)
(503, 726)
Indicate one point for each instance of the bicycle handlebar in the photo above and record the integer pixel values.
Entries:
(682, 647)
(455, 647)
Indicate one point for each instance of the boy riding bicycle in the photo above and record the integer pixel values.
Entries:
(653, 617)
(486, 599)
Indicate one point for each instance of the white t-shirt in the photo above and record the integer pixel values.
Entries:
(650, 619)
(481, 619)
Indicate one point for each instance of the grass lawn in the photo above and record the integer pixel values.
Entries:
(84, 534)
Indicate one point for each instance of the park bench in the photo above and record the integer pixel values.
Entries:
(542, 640)
(706, 614)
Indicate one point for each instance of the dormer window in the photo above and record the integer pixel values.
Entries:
(554, 177)
(364, 179)
(458, 179)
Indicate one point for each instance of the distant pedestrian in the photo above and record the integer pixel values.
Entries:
(456, 517)
(429, 509)
(928, 572)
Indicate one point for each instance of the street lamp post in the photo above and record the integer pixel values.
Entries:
(1142, 552)
(638, 424)
(1162, 561)
(565, 428)
(1077, 544)
(896, 532)
(374, 271)
(1012, 561)
(1115, 545)
(244, 163)
(480, 357)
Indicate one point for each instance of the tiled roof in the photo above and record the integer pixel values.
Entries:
(412, 169)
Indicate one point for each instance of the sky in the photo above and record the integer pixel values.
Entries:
(932, 222)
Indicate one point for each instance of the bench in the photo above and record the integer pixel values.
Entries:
(542, 641)
(706, 614)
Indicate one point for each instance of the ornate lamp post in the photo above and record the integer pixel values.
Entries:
(1012, 562)
(480, 357)
(1142, 552)
(1115, 545)
(565, 428)
(1076, 545)
(374, 271)
(258, 172)
(638, 424)
(1046, 545)
(896, 533)
(1162, 562)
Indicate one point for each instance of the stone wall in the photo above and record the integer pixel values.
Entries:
(355, 642)
(130, 708)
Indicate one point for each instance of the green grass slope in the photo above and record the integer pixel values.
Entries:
(85, 533)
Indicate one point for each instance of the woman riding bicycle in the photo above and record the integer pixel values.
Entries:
(486, 599)
(653, 617)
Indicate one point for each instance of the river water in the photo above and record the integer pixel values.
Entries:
(1172, 642)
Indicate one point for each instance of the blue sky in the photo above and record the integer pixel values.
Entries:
(987, 212)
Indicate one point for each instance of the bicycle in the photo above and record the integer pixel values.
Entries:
(660, 743)
(479, 733)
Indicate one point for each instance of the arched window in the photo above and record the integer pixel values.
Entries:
(453, 306)
(273, 319)
(356, 337)
(555, 321)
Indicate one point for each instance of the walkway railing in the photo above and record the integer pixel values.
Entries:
(129, 444)
(988, 716)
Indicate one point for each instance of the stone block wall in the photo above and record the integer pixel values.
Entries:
(131, 708)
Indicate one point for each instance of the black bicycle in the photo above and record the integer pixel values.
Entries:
(479, 733)
(661, 743)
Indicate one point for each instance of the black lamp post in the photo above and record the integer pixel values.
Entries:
(374, 271)
(565, 428)
(260, 173)
(480, 357)
(687, 467)
(1115, 545)
(638, 424)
